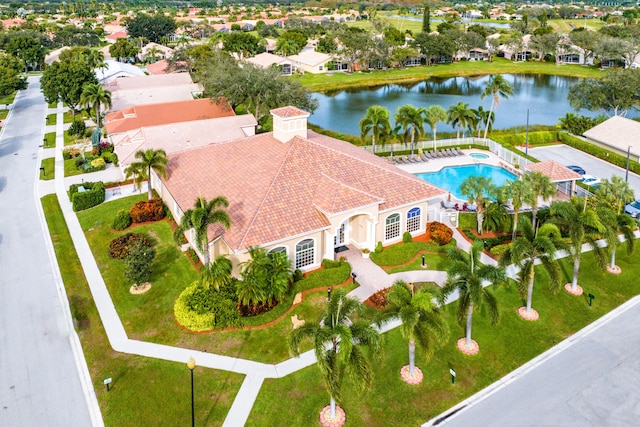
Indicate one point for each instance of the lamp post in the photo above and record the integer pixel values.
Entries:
(191, 364)
(626, 174)
(526, 146)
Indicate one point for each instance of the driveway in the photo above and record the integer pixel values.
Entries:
(592, 165)
(39, 381)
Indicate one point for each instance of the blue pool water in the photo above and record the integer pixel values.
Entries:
(479, 155)
(451, 177)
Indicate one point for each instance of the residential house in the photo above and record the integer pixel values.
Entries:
(267, 60)
(298, 192)
(617, 134)
(115, 70)
(311, 61)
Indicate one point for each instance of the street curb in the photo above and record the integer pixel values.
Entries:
(453, 412)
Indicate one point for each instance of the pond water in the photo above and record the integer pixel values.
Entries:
(544, 96)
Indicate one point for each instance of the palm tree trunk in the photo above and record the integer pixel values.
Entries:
(576, 268)
(150, 191)
(373, 143)
(613, 258)
(469, 318)
(534, 216)
(480, 218)
(412, 357)
(332, 403)
(515, 224)
(435, 137)
(486, 129)
(530, 290)
(412, 139)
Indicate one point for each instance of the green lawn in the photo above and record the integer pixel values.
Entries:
(68, 116)
(49, 170)
(4, 114)
(325, 82)
(49, 140)
(296, 400)
(71, 139)
(52, 118)
(145, 392)
(150, 317)
(403, 253)
(5, 100)
(70, 168)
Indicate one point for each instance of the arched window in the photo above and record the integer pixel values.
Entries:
(413, 219)
(305, 252)
(277, 251)
(392, 227)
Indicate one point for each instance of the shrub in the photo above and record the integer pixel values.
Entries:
(200, 309)
(440, 233)
(122, 220)
(120, 247)
(137, 264)
(147, 210)
(189, 318)
(113, 158)
(77, 127)
(467, 221)
(87, 199)
(329, 263)
(500, 249)
(97, 163)
(297, 275)
(378, 248)
(66, 154)
(79, 162)
(406, 237)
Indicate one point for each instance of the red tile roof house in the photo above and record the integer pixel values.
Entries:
(296, 191)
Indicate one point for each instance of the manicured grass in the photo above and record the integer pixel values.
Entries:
(8, 99)
(144, 392)
(70, 168)
(4, 114)
(296, 400)
(325, 82)
(404, 252)
(51, 119)
(70, 139)
(49, 140)
(49, 170)
(68, 116)
(433, 261)
(150, 317)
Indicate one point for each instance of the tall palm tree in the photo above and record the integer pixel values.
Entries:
(516, 192)
(420, 317)
(148, 160)
(265, 277)
(584, 226)
(476, 188)
(532, 245)
(539, 185)
(93, 96)
(432, 116)
(204, 214)
(376, 122)
(412, 121)
(467, 275)
(497, 87)
(342, 345)
(217, 273)
(484, 117)
(137, 172)
(615, 193)
(459, 115)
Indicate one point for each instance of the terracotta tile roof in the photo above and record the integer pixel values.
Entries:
(554, 170)
(168, 112)
(274, 189)
(289, 112)
(158, 67)
(152, 89)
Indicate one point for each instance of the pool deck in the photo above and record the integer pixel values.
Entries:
(434, 165)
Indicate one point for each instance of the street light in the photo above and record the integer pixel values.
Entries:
(626, 174)
(191, 364)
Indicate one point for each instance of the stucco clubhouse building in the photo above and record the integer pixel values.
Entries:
(296, 191)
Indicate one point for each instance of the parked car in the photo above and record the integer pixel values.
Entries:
(577, 169)
(633, 209)
(590, 180)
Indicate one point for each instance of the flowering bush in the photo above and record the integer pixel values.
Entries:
(97, 163)
(147, 210)
(119, 247)
(440, 233)
(379, 299)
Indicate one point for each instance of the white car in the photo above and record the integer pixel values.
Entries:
(590, 180)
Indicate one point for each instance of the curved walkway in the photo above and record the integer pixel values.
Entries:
(370, 277)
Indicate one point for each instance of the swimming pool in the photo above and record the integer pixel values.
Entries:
(479, 156)
(451, 177)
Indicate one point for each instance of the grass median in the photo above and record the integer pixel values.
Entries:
(145, 391)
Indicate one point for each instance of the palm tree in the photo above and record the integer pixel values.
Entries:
(265, 277)
(217, 273)
(137, 172)
(93, 96)
(148, 160)
(412, 121)
(341, 345)
(376, 122)
(584, 226)
(484, 117)
(476, 188)
(532, 245)
(516, 191)
(466, 275)
(615, 193)
(420, 319)
(433, 115)
(204, 214)
(459, 115)
(539, 185)
(497, 87)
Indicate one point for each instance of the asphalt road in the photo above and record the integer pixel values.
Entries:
(594, 382)
(39, 382)
(592, 165)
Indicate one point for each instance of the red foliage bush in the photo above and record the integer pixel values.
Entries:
(440, 233)
(147, 210)
(379, 299)
(257, 309)
(119, 247)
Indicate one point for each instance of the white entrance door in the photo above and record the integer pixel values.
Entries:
(340, 236)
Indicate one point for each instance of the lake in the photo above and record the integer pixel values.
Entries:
(544, 96)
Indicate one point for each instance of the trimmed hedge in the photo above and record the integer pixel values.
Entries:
(94, 195)
(122, 220)
(500, 249)
(200, 309)
(146, 211)
(189, 318)
(119, 247)
(535, 138)
(467, 221)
